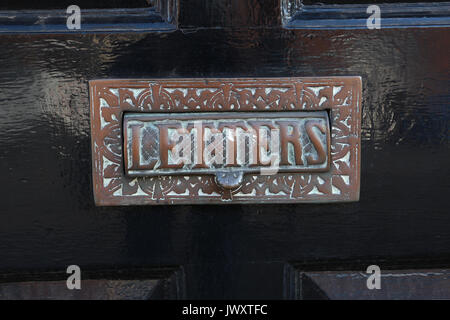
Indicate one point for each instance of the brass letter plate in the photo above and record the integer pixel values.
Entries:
(190, 141)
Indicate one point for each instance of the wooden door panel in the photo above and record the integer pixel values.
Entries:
(122, 284)
(48, 218)
(414, 284)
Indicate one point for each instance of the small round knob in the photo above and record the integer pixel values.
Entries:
(229, 179)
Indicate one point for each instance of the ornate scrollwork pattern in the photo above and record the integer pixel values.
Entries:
(111, 98)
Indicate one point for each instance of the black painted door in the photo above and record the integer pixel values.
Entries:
(48, 219)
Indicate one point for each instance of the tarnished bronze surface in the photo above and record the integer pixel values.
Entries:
(233, 140)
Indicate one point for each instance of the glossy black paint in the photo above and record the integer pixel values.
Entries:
(48, 219)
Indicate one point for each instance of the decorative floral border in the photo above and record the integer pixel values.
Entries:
(110, 98)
